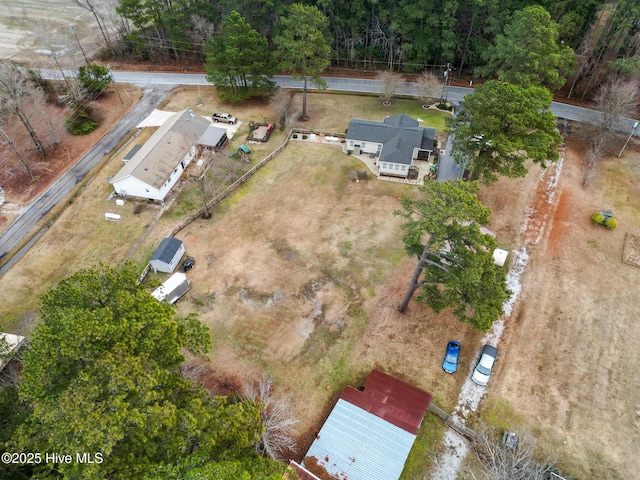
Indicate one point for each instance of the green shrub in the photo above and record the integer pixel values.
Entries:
(611, 223)
(597, 217)
(295, 135)
(304, 137)
(349, 152)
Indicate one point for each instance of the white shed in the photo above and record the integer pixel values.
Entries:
(167, 255)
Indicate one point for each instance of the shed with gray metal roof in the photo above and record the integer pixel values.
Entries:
(369, 433)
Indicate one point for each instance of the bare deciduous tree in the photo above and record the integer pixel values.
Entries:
(20, 97)
(203, 29)
(389, 83)
(221, 171)
(617, 99)
(277, 417)
(501, 462)
(427, 86)
(598, 149)
(193, 368)
(94, 7)
(5, 139)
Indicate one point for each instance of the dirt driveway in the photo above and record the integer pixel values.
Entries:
(570, 359)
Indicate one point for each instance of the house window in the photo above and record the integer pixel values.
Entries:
(397, 167)
(384, 165)
(364, 145)
(146, 190)
(175, 171)
(404, 168)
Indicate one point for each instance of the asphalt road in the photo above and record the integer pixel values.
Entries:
(39, 207)
(156, 86)
(453, 94)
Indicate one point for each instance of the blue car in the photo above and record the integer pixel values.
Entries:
(450, 362)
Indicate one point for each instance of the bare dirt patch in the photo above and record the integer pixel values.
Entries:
(631, 252)
(569, 354)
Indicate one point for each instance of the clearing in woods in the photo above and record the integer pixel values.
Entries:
(300, 272)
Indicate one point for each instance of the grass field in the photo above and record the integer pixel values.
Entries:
(289, 267)
(306, 269)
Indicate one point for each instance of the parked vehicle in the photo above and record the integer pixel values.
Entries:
(173, 289)
(482, 372)
(188, 264)
(224, 118)
(450, 362)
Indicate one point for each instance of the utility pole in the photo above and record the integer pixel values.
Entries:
(115, 84)
(635, 125)
(448, 67)
(64, 77)
(73, 29)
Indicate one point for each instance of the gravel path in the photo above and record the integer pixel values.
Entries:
(454, 447)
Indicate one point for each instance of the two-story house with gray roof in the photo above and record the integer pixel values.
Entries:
(397, 142)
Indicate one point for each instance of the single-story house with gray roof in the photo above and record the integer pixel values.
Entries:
(167, 255)
(156, 166)
(397, 142)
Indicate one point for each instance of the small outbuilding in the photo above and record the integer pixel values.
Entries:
(167, 256)
(213, 138)
(369, 432)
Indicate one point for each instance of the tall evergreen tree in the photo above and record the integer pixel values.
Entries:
(455, 263)
(529, 52)
(500, 126)
(238, 59)
(101, 376)
(302, 48)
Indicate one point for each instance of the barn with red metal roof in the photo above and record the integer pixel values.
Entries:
(369, 433)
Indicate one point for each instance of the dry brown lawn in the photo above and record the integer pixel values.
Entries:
(300, 274)
(300, 271)
(570, 353)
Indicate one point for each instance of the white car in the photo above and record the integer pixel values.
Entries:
(482, 372)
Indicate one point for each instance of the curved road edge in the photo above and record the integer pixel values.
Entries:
(39, 207)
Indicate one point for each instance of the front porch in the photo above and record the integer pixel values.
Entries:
(423, 167)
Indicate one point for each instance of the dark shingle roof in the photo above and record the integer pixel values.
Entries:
(399, 134)
(167, 249)
(401, 120)
(212, 136)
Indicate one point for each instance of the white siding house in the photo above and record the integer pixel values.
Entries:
(157, 165)
(397, 142)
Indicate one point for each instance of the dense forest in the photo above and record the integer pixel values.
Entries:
(400, 35)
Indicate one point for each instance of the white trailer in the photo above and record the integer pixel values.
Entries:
(175, 287)
(9, 345)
